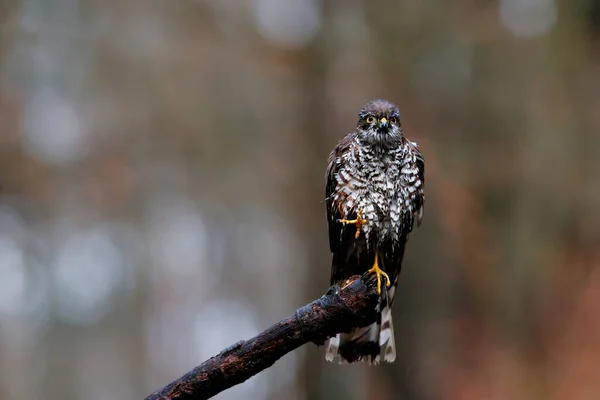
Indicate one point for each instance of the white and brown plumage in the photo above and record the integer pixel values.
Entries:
(374, 194)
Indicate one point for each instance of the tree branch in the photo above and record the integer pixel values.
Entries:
(345, 306)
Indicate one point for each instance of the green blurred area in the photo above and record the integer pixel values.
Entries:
(162, 172)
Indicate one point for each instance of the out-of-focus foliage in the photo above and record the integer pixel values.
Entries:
(162, 181)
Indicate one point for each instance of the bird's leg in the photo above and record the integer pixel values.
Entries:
(359, 221)
(379, 272)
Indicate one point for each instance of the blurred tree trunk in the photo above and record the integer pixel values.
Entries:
(312, 201)
(306, 207)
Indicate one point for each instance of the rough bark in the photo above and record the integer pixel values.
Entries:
(346, 305)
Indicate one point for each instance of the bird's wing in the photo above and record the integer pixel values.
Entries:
(333, 214)
(335, 161)
(419, 195)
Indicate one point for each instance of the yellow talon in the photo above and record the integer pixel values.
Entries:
(379, 272)
(359, 221)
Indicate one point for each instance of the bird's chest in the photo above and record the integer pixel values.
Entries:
(380, 181)
(376, 189)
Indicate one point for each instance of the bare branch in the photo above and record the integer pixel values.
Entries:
(345, 306)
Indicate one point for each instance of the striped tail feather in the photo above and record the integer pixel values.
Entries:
(367, 344)
(386, 336)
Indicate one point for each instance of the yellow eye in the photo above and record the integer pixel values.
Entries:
(370, 119)
(393, 120)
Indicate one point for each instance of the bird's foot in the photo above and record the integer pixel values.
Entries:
(359, 221)
(379, 272)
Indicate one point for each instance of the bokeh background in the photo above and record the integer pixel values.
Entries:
(162, 183)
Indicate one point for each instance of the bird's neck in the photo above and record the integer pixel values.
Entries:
(382, 147)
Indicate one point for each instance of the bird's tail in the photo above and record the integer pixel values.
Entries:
(367, 344)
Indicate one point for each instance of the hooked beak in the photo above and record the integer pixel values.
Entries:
(383, 122)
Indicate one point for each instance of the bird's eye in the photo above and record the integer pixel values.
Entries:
(370, 119)
(393, 120)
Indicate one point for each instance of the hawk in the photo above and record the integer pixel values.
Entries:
(374, 194)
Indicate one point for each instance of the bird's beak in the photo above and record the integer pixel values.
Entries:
(383, 122)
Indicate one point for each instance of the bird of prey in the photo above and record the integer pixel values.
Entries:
(374, 194)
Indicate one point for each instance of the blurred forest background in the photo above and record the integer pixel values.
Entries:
(162, 170)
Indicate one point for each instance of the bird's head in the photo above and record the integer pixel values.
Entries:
(379, 124)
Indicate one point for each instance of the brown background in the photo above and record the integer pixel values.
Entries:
(162, 181)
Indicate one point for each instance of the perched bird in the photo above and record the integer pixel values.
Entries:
(374, 194)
